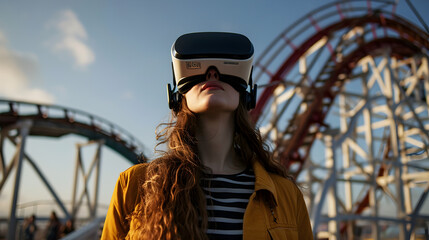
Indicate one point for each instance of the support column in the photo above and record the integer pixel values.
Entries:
(75, 182)
(92, 202)
(346, 165)
(24, 129)
(373, 203)
(332, 192)
(97, 158)
(395, 146)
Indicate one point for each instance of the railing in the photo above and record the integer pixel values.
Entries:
(21, 109)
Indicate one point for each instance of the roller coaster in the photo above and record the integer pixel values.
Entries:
(344, 105)
(21, 120)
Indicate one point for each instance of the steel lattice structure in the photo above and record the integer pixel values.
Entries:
(344, 106)
(22, 120)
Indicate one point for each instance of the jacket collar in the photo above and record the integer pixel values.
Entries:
(263, 180)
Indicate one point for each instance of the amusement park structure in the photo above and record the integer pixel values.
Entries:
(22, 120)
(344, 106)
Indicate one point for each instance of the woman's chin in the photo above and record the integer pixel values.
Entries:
(214, 107)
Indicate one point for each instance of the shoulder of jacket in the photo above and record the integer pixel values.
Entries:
(284, 183)
(133, 173)
(136, 169)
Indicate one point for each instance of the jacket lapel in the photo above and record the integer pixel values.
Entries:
(255, 222)
(263, 181)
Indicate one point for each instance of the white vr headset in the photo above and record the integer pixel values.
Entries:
(193, 54)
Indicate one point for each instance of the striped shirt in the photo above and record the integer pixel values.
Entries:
(227, 197)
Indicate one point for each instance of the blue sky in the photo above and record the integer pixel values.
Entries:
(112, 59)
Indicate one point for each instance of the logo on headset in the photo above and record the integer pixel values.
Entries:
(193, 65)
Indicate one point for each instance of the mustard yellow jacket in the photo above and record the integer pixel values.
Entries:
(276, 210)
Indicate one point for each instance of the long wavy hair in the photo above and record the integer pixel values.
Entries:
(173, 205)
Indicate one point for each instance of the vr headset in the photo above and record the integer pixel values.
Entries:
(193, 54)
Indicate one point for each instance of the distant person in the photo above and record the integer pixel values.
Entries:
(216, 179)
(53, 228)
(30, 228)
(67, 228)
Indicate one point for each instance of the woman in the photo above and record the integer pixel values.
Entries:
(30, 228)
(216, 180)
(53, 228)
(67, 228)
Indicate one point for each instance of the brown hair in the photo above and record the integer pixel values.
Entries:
(173, 205)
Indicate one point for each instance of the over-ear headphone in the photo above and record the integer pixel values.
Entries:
(174, 98)
(250, 97)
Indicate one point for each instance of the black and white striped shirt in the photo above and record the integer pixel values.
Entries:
(227, 197)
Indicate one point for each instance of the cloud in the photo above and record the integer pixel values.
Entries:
(16, 71)
(71, 38)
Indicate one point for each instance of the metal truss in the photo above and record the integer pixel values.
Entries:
(379, 150)
(20, 121)
(16, 162)
(86, 174)
(15, 166)
(344, 106)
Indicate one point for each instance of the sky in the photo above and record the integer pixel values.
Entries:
(112, 59)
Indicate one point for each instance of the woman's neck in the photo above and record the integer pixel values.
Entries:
(215, 136)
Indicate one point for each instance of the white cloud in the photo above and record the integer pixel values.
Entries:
(16, 72)
(72, 38)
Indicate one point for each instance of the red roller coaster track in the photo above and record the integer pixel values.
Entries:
(410, 41)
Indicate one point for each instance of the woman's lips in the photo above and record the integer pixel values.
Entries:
(211, 86)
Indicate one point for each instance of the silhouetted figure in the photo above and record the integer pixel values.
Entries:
(67, 228)
(30, 228)
(53, 228)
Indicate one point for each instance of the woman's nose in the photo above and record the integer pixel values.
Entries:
(212, 75)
